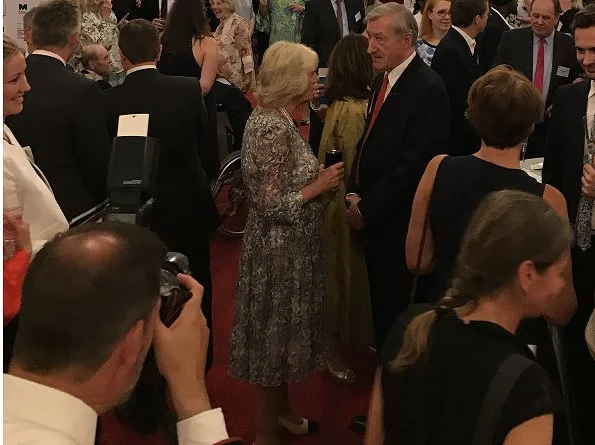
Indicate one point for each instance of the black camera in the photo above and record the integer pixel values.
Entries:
(131, 180)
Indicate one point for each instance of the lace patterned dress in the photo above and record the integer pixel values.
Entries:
(278, 333)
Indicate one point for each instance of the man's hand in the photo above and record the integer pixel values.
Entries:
(354, 217)
(181, 354)
(296, 8)
(138, 3)
(588, 180)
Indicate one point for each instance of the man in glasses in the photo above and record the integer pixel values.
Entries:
(545, 56)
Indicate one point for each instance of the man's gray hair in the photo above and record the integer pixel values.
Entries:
(54, 22)
(28, 17)
(402, 18)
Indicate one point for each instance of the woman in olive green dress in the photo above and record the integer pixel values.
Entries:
(349, 316)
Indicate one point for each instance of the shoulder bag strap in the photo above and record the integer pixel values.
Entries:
(421, 251)
(506, 376)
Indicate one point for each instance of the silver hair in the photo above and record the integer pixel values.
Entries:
(402, 17)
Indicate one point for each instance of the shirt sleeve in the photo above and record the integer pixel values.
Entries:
(206, 428)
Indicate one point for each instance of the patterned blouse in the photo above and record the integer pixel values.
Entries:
(425, 51)
(235, 45)
(96, 30)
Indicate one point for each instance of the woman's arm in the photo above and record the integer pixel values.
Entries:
(419, 212)
(243, 44)
(374, 427)
(536, 431)
(206, 54)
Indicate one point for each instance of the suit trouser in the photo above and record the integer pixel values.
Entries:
(580, 369)
(390, 288)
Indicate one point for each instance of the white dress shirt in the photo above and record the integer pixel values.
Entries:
(26, 189)
(140, 68)
(590, 117)
(345, 29)
(470, 42)
(35, 414)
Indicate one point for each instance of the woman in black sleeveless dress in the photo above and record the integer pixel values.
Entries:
(188, 49)
(503, 107)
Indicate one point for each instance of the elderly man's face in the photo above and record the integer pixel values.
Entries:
(102, 62)
(543, 18)
(387, 48)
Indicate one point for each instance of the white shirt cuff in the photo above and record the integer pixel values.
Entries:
(206, 428)
(351, 194)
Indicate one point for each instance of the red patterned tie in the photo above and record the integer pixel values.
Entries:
(538, 78)
(377, 107)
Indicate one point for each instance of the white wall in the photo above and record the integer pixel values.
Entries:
(14, 10)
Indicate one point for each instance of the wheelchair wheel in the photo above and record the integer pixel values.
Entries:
(230, 196)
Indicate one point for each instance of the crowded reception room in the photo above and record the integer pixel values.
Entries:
(301, 222)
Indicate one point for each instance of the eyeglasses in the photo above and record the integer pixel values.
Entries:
(442, 13)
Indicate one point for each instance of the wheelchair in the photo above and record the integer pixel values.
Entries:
(228, 189)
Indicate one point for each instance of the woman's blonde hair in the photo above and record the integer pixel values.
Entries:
(425, 27)
(10, 48)
(508, 228)
(284, 74)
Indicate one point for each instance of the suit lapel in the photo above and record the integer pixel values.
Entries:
(393, 95)
(327, 6)
(349, 8)
(556, 59)
(526, 50)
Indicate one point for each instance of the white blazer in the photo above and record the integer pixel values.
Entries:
(26, 188)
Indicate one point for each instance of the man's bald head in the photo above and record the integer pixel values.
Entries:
(83, 292)
(97, 59)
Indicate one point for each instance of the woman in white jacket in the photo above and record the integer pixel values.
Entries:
(26, 189)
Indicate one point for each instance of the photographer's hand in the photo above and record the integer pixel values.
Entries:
(181, 352)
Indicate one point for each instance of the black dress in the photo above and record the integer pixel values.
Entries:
(438, 401)
(183, 63)
(460, 185)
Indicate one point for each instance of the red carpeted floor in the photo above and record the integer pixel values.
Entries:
(319, 398)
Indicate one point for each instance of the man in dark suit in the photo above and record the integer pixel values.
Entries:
(568, 168)
(489, 39)
(184, 214)
(545, 56)
(63, 118)
(407, 124)
(455, 61)
(326, 21)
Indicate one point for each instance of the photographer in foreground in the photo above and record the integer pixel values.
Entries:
(90, 312)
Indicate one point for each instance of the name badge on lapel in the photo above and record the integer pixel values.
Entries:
(563, 71)
(358, 17)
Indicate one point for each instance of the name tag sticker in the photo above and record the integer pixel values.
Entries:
(358, 16)
(563, 71)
